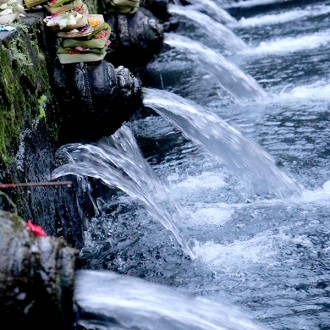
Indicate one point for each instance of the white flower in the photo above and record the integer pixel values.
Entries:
(6, 12)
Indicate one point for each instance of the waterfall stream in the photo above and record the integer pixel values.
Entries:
(224, 37)
(243, 157)
(209, 5)
(285, 17)
(247, 3)
(118, 163)
(233, 80)
(189, 165)
(136, 304)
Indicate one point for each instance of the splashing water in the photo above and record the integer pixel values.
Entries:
(221, 15)
(249, 3)
(317, 91)
(119, 163)
(218, 31)
(290, 44)
(241, 86)
(124, 302)
(283, 17)
(243, 157)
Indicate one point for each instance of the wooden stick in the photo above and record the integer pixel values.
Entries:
(34, 184)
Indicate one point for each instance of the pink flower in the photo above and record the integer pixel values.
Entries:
(35, 229)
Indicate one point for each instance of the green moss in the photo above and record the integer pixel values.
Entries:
(42, 103)
(23, 86)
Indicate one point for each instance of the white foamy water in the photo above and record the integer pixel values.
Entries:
(263, 249)
(239, 254)
(207, 180)
(317, 196)
(248, 3)
(283, 17)
(216, 214)
(290, 44)
(316, 91)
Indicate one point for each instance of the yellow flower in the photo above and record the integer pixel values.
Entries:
(93, 22)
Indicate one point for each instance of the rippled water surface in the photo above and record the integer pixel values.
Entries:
(271, 257)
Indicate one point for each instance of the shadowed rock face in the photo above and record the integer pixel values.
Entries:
(135, 39)
(96, 98)
(157, 7)
(36, 278)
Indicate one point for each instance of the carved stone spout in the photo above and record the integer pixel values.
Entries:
(36, 278)
(96, 98)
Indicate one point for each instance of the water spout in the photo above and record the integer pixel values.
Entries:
(124, 302)
(243, 157)
(220, 14)
(224, 37)
(119, 163)
(241, 86)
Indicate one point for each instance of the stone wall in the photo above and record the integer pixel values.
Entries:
(24, 84)
(45, 104)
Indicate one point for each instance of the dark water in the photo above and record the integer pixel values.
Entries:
(270, 257)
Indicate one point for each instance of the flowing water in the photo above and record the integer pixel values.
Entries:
(247, 3)
(231, 78)
(117, 161)
(224, 37)
(269, 255)
(131, 299)
(256, 169)
(212, 8)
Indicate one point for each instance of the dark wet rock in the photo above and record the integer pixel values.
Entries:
(36, 278)
(158, 8)
(96, 98)
(181, 2)
(135, 39)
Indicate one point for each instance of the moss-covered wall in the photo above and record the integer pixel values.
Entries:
(27, 110)
(24, 84)
(30, 120)
(42, 101)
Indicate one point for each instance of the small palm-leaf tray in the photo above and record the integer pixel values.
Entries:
(59, 6)
(68, 20)
(93, 22)
(8, 19)
(88, 45)
(9, 11)
(66, 57)
(33, 3)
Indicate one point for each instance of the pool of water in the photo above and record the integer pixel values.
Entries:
(270, 257)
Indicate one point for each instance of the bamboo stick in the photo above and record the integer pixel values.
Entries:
(34, 184)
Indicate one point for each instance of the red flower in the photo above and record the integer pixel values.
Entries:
(35, 229)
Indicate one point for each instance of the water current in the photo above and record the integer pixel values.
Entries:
(268, 255)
